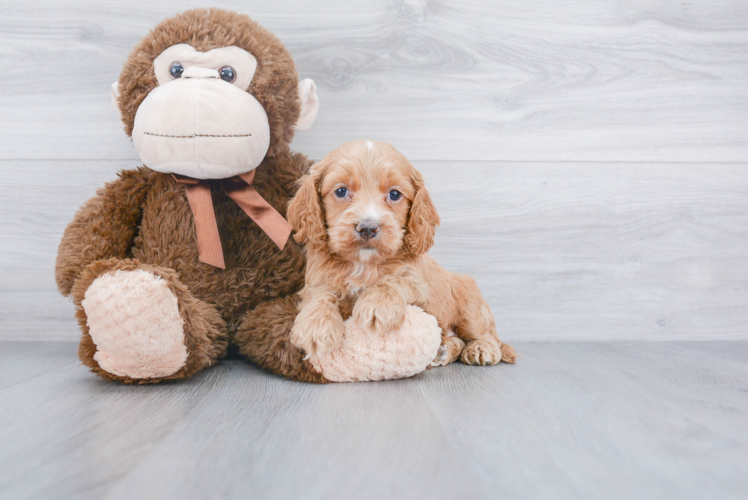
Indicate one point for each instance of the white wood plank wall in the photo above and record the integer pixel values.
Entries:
(589, 158)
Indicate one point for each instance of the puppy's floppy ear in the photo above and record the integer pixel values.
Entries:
(305, 210)
(423, 219)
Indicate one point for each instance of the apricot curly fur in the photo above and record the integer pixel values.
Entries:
(389, 270)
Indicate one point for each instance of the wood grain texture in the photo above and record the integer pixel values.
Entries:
(569, 420)
(584, 251)
(638, 80)
(655, 247)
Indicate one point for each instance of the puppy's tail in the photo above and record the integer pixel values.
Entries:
(508, 355)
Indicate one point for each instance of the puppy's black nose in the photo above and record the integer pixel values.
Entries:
(367, 229)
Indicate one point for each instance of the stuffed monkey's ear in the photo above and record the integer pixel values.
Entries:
(305, 211)
(115, 98)
(309, 105)
(423, 219)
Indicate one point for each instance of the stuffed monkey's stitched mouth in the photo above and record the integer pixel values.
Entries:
(194, 135)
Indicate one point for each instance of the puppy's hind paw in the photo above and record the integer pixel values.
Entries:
(449, 351)
(441, 356)
(482, 352)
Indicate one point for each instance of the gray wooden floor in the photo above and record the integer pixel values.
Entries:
(569, 420)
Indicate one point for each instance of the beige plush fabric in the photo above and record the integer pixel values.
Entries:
(134, 320)
(309, 104)
(202, 127)
(243, 63)
(396, 354)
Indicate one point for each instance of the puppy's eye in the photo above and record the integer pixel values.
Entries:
(395, 195)
(341, 192)
(176, 69)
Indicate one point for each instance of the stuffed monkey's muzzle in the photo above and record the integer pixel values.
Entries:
(201, 127)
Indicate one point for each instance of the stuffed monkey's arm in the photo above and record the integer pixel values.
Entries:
(103, 228)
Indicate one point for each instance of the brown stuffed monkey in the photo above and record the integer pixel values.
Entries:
(165, 262)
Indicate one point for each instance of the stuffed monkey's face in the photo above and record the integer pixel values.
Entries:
(200, 121)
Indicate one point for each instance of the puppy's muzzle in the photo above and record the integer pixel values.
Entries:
(367, 229)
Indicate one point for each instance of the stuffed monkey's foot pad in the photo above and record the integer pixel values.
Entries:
(133, 318)
(395, 354)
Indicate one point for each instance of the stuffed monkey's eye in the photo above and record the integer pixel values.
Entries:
(176, 69)
(395, 195)
(341, 192)
(227, 74)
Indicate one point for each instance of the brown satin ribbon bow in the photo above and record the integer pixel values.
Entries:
(238, 188)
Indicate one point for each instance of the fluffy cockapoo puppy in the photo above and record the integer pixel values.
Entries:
(368, 221)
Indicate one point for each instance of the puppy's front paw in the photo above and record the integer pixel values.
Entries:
(379, 312)
(317, 334)
(482, 352)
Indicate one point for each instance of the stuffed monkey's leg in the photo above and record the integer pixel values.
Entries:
(140, 324)
(264, 337)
